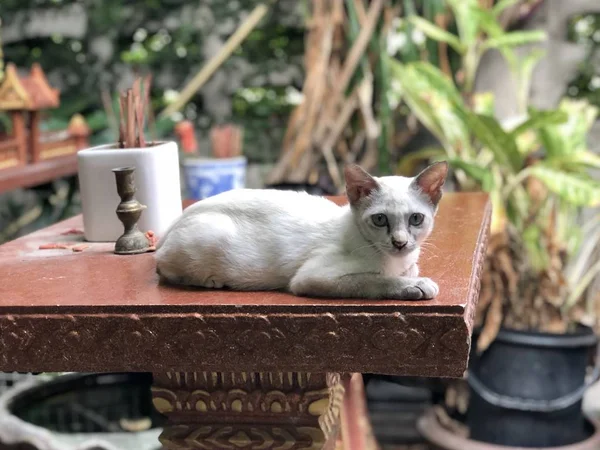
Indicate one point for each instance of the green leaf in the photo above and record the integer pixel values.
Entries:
(552, 142)
(437, 34)
(569, 137)
(502, 5)
(408, 163)
(466, 21)
(538, 119)
(574, 132)
(482, 175)
(576, 162)
(488, 22)
(514, 39)
(483, 103)
(444, 101)
(410, 90)
(571, 188)
(438, 81)
(502, 144)
(528, 63)
(587, 158)
(532, 238)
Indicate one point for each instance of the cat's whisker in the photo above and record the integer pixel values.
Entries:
(371, 246)
(427, 242)
(428, 251)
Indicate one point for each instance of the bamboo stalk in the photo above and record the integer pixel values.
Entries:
(217, 60)
(298, 140)
(360, 11)
(315, 100)
(360, 45)
(321, 128)
(352, 60)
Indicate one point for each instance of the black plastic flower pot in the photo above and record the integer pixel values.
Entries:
(527, 389)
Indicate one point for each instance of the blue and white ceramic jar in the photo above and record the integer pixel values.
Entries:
(205, 177)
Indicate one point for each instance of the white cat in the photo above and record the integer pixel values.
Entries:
(267, 239)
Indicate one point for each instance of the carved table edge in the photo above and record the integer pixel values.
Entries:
(477, 269)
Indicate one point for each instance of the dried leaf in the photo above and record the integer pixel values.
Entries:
(71, 231)
(493, 320)
(53, 246)
(485, 297)
(152, 238)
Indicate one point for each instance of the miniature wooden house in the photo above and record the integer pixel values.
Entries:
(24, 97)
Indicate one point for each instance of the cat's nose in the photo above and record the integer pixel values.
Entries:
(399, 244)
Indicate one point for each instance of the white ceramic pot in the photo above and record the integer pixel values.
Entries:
(156, 179)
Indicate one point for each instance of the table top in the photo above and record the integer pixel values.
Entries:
(38, 173)
(62, 310)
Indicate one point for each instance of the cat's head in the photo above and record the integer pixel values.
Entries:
(395, 214)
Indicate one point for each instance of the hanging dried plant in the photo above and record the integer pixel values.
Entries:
(517, 295)
(133, 109)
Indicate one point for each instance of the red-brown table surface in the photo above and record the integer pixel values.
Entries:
(96, 311)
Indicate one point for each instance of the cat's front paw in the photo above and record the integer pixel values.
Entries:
(419, 289)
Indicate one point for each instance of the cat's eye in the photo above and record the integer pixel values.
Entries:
(379, 220)
(416, 219)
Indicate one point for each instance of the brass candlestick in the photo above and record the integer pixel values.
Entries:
(132, 241)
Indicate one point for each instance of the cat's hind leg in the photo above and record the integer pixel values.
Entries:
(192, 254)
(209, 283)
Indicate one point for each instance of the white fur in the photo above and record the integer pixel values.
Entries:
(267, 239)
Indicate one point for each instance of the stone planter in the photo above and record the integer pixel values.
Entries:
(80, 412)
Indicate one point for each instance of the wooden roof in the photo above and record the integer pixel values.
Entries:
(30, 92)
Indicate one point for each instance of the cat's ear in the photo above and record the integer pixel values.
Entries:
(359, 184)
(431, 181)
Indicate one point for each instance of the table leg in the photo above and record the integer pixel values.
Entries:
(249, 410)
(356, 430)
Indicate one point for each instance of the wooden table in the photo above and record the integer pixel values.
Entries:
(260, 370)
(38, 173)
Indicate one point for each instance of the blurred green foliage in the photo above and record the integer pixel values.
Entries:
(167, 39)
(584, 29)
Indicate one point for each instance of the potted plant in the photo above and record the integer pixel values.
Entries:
(528, 368)
(157, 173)
(225, 170)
